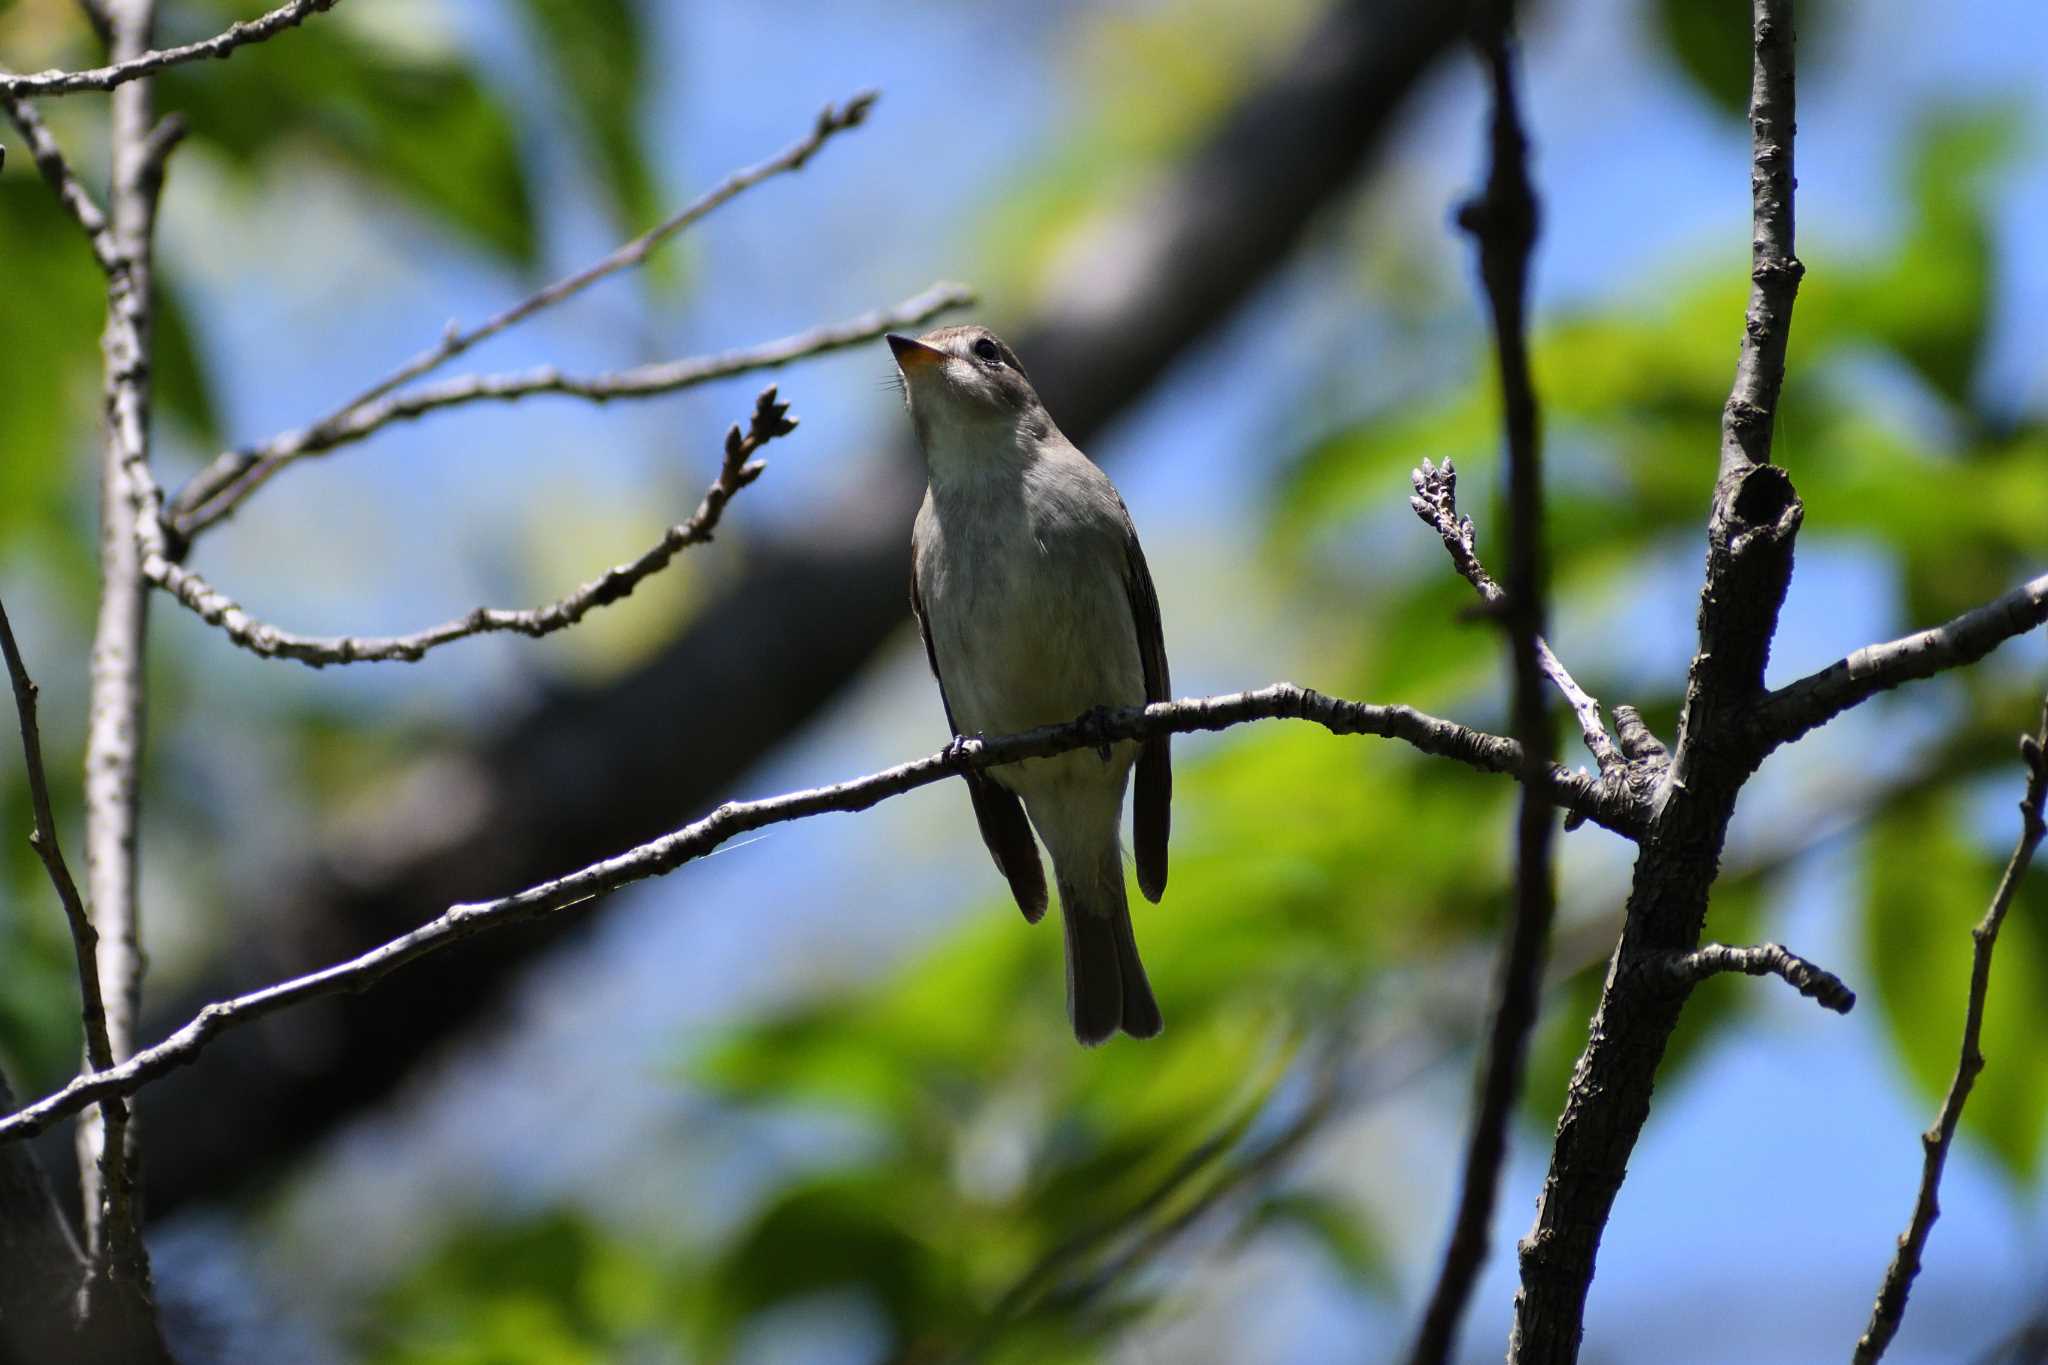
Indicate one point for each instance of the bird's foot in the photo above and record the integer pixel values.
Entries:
(956, 747)
(1095, 727)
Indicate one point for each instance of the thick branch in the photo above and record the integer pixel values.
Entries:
(119, 1291)
(1890, 1307)
(1818, 698)
(1436, 501)
(1764, 959)
(1751, 528)
(252, 466)
(1430, 734)
(142, 64)
(769, 421)
(1503, 221)
(219, 488)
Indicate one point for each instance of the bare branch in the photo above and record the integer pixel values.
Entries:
(70, 191)
(1818, 698)
(1436, 501)
(1503, 221)
(43, 838)
(1753, 522)
(770, 420)
(1890, 1308)
(1430, 734)
(245, 470)
(225, 482)
(119, 1290)
(1764, 959)
(133, 68)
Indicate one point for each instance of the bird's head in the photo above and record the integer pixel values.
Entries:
(963, 384)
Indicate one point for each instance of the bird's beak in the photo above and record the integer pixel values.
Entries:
(913, 355)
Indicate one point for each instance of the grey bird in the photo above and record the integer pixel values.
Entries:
(1036, 607)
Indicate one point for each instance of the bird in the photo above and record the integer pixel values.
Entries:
(1036, 607)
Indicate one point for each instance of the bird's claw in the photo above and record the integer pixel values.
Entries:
(1095, 726)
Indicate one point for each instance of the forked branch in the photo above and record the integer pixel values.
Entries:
(218, 489)
(770, 420)
(638, 381)
(1435, 500)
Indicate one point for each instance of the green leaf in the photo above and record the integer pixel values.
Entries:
(595, 48)
(1926, 884)
(416, 121)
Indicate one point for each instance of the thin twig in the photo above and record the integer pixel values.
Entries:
(1814, 700)
(1503, 221)
(1763, 959)
(223, 484)
(1890, 1307)
(133, 68)
(255, 464)
(70, 191)
(43, 838)
(1430, 734)
(1435, 500)
(770, 420)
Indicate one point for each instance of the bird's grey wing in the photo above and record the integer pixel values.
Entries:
(996, 808)
(1152, 805)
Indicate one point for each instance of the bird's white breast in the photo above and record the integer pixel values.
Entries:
(1022, 579)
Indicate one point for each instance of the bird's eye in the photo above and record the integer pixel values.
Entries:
(986, 349)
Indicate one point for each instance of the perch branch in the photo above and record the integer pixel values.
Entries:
(254, 465)
(1503, 223)
(1890, 1307)
(121, 72)
(737, 470)
(1764, 959)
(1435, 500)
(1430, 734)
(219, 488)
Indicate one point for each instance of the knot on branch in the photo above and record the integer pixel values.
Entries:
(1763, 496)
(1777, 270)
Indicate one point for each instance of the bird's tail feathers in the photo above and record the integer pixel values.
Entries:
(1106, 985)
